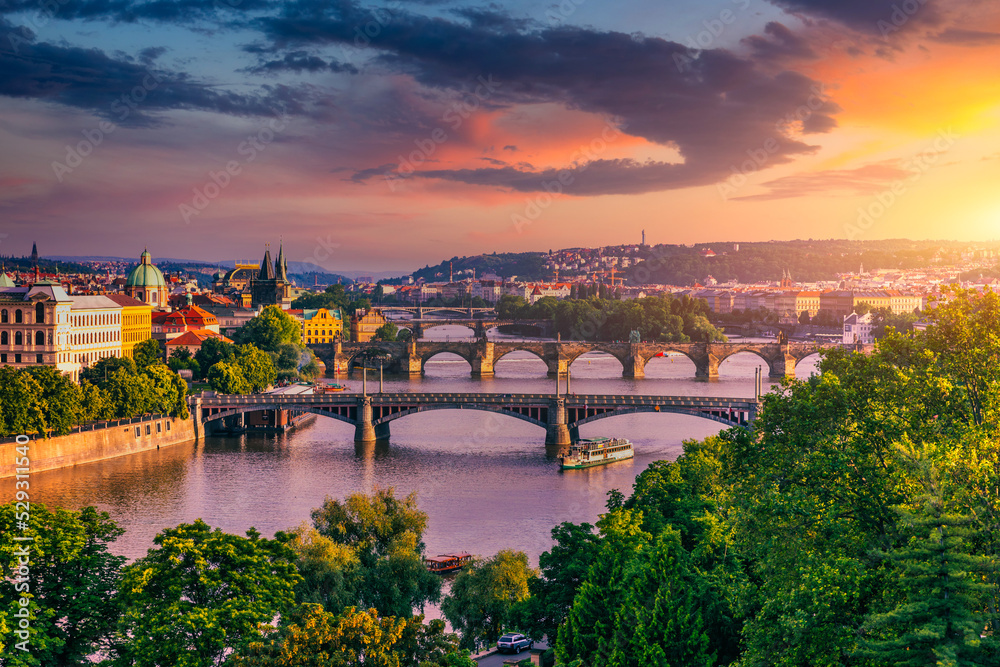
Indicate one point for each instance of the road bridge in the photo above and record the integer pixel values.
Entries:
(410, 357)
(561, 416)
(423, 311)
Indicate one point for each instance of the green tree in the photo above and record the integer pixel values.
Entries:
(387, 332)
(269, 330)
(129, 394)
(562, 570)
(386, 534)
(199, 595)
(256, 367)
(317, 638)
(330, 571)
(509, 306)
(147, 353)
(62, 398)
(483, 594)
(227, 378)
(165, 396)
(212, 351)
(94, 404)
(70, 582)
(99, 372)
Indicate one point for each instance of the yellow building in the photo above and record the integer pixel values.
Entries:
(365, 324)
(321, 326)
(137, 322)
(807, 302)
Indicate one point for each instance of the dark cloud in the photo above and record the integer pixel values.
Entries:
(130, 11)
(711, 105)
(867, 16)
(301, 61)
(779, 43)
(117, 88)
(966, 37)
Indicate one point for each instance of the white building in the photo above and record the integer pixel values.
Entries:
(35, 326)
(858, 329)
(96, 330)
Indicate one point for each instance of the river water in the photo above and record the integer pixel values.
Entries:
(483, 479)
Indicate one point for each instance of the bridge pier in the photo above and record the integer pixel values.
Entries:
(365, 430)
(482, 363)
(558, 366)
(782, 366)
(707, 366)
(340, 364)
(634, 367)
(557, 432)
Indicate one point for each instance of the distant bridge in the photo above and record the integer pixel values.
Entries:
(560, 416)
(478, 326)
(410, 357)
(423, 311)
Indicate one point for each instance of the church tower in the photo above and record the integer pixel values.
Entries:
(271, 286)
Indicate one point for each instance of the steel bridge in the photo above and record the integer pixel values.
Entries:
(560, 415)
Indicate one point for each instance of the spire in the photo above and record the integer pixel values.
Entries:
(280, 265)
(266, 269)
(34, 252)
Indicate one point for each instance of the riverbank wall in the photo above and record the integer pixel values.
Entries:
(95, 442)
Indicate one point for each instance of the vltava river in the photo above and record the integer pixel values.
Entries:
(483, 479)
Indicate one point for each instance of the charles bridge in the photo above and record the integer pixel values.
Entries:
(560, 415)
(409, 357)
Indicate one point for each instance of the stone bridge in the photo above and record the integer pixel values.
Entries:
(560, 415)
(482, 355)
(479, 327)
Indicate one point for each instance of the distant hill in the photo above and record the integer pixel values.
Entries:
(524, 265)
(807, 261)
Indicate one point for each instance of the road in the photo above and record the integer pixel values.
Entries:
(496, 659)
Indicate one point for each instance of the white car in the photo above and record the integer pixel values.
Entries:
(514, 643)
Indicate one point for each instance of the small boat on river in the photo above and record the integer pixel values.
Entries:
(444, 563)
(595, 452)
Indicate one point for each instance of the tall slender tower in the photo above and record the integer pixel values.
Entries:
(644, 237)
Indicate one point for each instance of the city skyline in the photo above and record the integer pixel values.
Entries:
(389, 136)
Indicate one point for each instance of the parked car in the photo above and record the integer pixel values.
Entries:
(514, 643)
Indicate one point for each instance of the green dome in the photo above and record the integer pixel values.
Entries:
(145, 275)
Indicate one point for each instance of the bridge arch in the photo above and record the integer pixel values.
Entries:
(536, 358)
(261, 408)
(573, 358)
(459, 406)
(655, 366)
(720, 418)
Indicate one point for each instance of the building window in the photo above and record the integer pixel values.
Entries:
(168, 426)
(17, 358)
(137, 432)
(148, 429)
(4, 317)
(159, 427)
(39, 338)
(18, 337)
(39, 313)
(3, 358)
(4, 338)
(18, 317)
(39, 359)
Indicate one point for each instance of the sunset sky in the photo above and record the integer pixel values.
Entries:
(386, 136)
